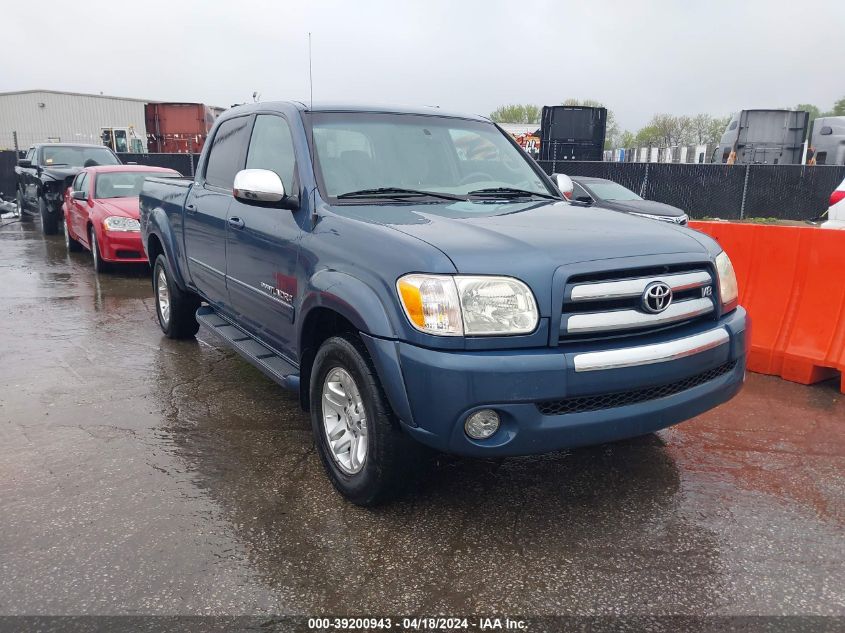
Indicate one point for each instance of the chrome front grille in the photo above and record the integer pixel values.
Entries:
(612, 304)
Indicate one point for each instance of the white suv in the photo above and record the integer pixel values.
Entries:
(836, 211)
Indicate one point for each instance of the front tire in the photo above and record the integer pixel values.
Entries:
(70, 243)
(348, 407)
(176, 309)
(49, 218)
(99, 265)
(19, 208)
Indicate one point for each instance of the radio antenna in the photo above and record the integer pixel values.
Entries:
(311, 131)
(310, 74)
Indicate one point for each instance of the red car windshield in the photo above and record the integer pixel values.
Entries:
(125, 184)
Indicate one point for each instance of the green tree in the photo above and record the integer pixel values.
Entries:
(627, 139)
(815, 111)
(839, 108)
(707, 129)
(516, 113)
(532, 113)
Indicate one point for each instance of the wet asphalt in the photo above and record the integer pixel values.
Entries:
(140, 475)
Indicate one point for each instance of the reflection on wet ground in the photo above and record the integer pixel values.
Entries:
(141, 475)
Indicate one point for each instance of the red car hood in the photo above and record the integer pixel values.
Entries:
(126, 207)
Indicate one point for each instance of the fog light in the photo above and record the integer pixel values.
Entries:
(482, 424)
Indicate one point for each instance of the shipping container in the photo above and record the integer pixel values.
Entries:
(177, 128)
(572, 133)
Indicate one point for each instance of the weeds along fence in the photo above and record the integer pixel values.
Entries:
(730, 192)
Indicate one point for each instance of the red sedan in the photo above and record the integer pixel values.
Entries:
(101, 212)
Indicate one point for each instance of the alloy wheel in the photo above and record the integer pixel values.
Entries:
(163, 294)
(344, 421)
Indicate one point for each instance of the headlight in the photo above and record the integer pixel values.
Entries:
(475, 306)
(728, 288)
(119, 223)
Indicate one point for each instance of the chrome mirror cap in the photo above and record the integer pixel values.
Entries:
(258, 185)
(564, 183)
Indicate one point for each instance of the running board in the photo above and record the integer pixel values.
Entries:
(269, 362)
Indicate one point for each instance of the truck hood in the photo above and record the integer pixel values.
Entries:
(546, 234)
(125, 207)
(61, 172)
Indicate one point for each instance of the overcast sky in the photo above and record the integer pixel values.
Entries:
(638, 57)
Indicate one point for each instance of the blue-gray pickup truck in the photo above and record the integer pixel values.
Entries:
(420, 281)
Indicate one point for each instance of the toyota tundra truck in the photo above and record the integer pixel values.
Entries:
(420, 282)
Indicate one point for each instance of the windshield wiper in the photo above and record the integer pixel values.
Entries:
(396, 192)
(510, 192)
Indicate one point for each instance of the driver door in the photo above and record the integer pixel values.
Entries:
(78, 210)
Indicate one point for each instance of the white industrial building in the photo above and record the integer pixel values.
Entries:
(41, 116)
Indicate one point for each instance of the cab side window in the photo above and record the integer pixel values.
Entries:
(226, 156)
(77, 182)
(30, 155)
(271, 147)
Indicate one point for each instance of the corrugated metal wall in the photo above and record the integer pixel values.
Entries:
(68, 118)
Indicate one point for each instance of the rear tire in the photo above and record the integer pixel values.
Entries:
(49, 218)
(176, 309)
(99, 265)
(72, 245)
(391, 458)
(20, 208)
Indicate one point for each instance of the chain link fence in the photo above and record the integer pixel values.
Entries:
(730, 192)
(185, 164)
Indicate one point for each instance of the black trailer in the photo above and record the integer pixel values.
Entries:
(572, 133)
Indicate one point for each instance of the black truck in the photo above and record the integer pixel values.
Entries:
(572, 133)
(45, 173)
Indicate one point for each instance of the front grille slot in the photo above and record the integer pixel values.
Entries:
(610, 303)
(128, 254)
(583, 404)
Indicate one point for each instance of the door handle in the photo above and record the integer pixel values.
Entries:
(236, 223)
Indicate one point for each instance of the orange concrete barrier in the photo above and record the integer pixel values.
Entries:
(792, 282)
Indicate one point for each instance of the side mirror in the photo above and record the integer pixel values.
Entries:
(564, 184)
(585, 199)
(258, 185)
(24, 162)
(79, 195)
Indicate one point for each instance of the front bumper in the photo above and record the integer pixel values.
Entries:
(122, 246)
(434, 391)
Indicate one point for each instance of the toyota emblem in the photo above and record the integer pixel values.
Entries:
(656, 297)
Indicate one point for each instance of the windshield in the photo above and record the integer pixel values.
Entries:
(390, 155)
(125, 184)
(611, 191)
(77, 156)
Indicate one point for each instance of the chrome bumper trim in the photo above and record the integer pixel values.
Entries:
(617, 320)
(635, 287)
(650, 354)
